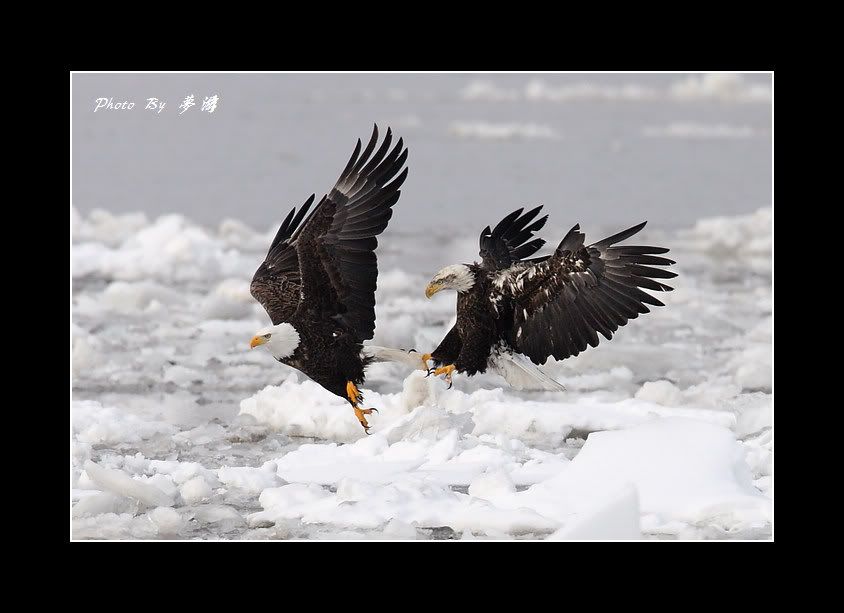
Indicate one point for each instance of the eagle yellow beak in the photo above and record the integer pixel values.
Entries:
(257, 340)
(432, 289)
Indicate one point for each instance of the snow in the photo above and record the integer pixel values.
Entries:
(484, 130)
(719, 87)
(122, 484)
(737, 238)
(168, 521)
(683, 469)
(616, 518)
(725, 87)
(249, 479)
(180, 431)
(195, 490)
(93, 423)
(538, 90)
(696, 130)
(230, 299)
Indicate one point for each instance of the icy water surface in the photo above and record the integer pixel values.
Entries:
(668, 424)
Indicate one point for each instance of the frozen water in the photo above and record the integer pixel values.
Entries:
(180, 431)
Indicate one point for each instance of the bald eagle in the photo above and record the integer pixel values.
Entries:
(512, 306)
(318, 280)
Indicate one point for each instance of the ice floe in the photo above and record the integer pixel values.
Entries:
(180, 431)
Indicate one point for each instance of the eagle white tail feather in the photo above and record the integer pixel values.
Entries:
(517, 369)
(521, 373)
(410, 358)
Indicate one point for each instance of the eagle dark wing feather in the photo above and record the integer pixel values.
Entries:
(277, 282)
(508, 243)
(337, 249)
(560, 304)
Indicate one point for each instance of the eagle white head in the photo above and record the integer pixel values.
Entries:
(281, 340)
(458, 277)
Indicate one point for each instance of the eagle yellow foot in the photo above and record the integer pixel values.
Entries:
(355, 397)
(447, 371)
(359, 413)
(353, 393)
(425, 357)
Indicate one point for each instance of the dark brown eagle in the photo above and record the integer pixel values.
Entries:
(510, 305)
(318, 280)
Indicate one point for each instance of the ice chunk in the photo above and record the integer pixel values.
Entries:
(249, 479)
(104, 502)
(195, 490)
(660, 392)
(168, 521)
(492, 483)
(118, 482)
(683, 469)
(615, 519)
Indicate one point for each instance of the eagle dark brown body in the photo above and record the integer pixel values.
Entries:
(328, 354)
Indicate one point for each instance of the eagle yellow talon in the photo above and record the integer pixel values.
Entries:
(359, 413)
(447, 371)
(355, 397)
(425, 358)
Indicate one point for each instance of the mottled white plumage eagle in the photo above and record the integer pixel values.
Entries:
(511, 305)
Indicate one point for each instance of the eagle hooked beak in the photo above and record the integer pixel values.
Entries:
(433, 288)
(257, 340)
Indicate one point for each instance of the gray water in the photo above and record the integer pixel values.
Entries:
(276, 138)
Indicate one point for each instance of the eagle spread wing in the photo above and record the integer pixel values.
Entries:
(508, 243)
(328, 262)
(277, 284)
(561, 303)
(335, 247)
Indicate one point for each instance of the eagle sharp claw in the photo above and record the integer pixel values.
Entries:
(355, 398)
(359, 413)
(447, 371)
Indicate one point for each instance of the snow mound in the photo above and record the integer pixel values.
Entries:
(483, 130)
(617, 518)
(684, 470)
(250, 479)
(94, 423)
(729, 237)
(538, 90)
(171, 249)
(699, 131)
(717, 87)
(120, 483)
(104, 227)
(161, 366)
(724, 87)
(230, 299)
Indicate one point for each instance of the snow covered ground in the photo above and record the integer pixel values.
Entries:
(180, 431)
